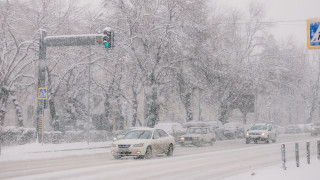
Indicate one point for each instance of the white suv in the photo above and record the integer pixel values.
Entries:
(261, 132)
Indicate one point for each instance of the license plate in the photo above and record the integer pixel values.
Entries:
(123, 150)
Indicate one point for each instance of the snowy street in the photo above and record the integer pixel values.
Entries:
(222, 160)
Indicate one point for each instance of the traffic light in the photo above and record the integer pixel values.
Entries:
(108, 38)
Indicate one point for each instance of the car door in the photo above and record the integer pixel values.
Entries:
(271, 132)
(156, 142)
(211, 135)
(205, 135)
(164, 141)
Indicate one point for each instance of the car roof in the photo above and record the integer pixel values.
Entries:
(167, 124)
(193, 127)
(261, 124)
(142, 128)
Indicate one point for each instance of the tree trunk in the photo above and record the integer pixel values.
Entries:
(4, 95)
(244, 118)
(187, 105)
(107, 113)
(122, 119)
(152, 107)
(223, 113)
(135, 110)
(18, 109)
(54, 122)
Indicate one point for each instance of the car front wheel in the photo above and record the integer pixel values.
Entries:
(267, 140)
(148, 154)
(247, 141)
(170, 150)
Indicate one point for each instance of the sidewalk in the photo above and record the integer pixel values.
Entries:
(38, 150)
(304, 172)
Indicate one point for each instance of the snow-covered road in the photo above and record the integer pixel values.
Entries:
(224, 159)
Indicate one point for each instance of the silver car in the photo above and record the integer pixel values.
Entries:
(143, 143)
(261, 132)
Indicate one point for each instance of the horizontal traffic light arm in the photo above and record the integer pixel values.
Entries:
(73, 40)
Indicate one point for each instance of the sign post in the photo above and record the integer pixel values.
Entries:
(308, 152)
(283, 154)
(297, 154)
(313, 33)
(42, 96)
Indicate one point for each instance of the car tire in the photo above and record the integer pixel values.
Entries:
(116, 157)
(267, 140)
(148, 154)
(274, 140)
(247, 141)
(199, 143)
(212, 142)
(170, 150)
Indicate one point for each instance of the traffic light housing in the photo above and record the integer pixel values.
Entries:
(108, 37)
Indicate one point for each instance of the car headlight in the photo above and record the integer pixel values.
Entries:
(113, 145)
(138, 145)
(181, 138)
(195, 138)
(247, 134)
(262, 134)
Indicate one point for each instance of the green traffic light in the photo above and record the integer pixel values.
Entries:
(106, 45)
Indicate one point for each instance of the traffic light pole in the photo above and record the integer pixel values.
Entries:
(41, 83)
(68, 40)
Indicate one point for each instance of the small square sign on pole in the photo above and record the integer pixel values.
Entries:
(313, 33)
(43, 93)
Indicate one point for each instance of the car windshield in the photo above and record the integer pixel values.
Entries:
(259, 127)
(140, 134)
(316, 124)
(194, 131)
(231, 125)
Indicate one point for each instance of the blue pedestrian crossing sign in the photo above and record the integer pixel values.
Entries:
(313, 31)
(43, 93)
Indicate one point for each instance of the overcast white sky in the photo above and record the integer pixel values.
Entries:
(276, 10)
(284, 10)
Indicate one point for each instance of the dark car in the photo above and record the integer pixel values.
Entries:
(292, 129)
(233, 130)
(315, 128)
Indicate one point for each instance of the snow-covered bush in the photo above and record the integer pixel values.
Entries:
(9, 135)
(74, 136)
(54, 137)
(12, 135)
(27, 135)
(98, 136)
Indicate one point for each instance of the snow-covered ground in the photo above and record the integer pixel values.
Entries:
(38, 151)
(304, 172)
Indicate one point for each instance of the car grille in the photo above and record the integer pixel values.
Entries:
(254, 133)
(124, 145)
(125, 152)
(188, 138)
